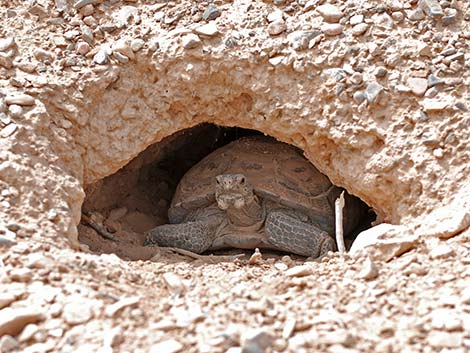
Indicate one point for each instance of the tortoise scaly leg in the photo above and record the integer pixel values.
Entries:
(195, 236)
(288, 233)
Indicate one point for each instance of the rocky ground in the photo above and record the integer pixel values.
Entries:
(376, 93)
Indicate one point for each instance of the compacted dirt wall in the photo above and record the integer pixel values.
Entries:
(382, 109)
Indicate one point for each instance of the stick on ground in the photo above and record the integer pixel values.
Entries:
(98, 228)
(339, 205)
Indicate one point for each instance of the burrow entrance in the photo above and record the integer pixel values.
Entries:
(136, 198)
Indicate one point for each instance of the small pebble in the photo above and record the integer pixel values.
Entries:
(258, 343)
(101, 57)
(441, 251)
(211, 13)
(299, 271)
(369, 270)
(274, 61)
(83, 48)
(8, 130)
(6, 43)
(168, 346)
(87, 10)
(438, 153)
(137, 44)
(359, 97)
(20, 99)
(418, 85)
(330, 13)
(120, 57)
(431, 8)
(398, 16)
(256, 258)
(356, 19)
(277, 27)
(15, 110)
(360, 29)
(209, 29)
(190, 41)
(415, 15)
(356, 78)
(8, 344)
(380, 72)
(173, 282)
(332, 29)
(372, 91)
(275, 16)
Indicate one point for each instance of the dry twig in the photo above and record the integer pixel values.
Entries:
(339, 205)
(101, 230)
(210, 258)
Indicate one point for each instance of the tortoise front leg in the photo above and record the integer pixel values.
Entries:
(288, 233)
(195, 236)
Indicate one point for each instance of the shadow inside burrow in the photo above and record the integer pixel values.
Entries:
(120, 208)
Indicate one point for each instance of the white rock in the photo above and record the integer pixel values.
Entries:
(101, 57)
(276, 60)
(173, 282)
(359, 29)
(439, 339)
(385, 241)
(6, 43)
(446, 319)
(8, 130)
(210, 29)
(20, 99)
(299, 271)
(6, 299)
(15, 110)
(123, 47)
(332, 29)
(168, 346)
(435, 104)
(418, 85)
(12, 321)
(369, 270)
(255, 341)
(28, 332)
(277, 27)
(190, 41)
(441, 252)
(8, 344)
(137, 44)
(256, 258)
(276, 15)
(113, 309)
(330, 13)
(449, 220)
(76, 312)
(356, 19)
(83, 48)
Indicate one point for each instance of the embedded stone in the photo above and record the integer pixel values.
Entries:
(330, 13)
(431, 8)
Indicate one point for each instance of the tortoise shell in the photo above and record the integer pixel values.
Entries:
(278, 172)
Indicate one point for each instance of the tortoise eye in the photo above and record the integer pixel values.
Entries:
(242, 180)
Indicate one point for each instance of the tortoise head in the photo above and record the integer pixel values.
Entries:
(233, 190)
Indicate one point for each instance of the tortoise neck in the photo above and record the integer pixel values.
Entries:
(248, 215)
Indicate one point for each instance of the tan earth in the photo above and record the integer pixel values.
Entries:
(101, 106)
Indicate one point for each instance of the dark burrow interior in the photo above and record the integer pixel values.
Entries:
(136, 198)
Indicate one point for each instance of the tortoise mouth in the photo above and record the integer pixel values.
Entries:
(137, 197)
(235, 200)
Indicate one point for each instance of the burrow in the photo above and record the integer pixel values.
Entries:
(136, 198)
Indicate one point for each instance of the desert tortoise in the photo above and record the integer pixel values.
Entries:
(253, 192)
